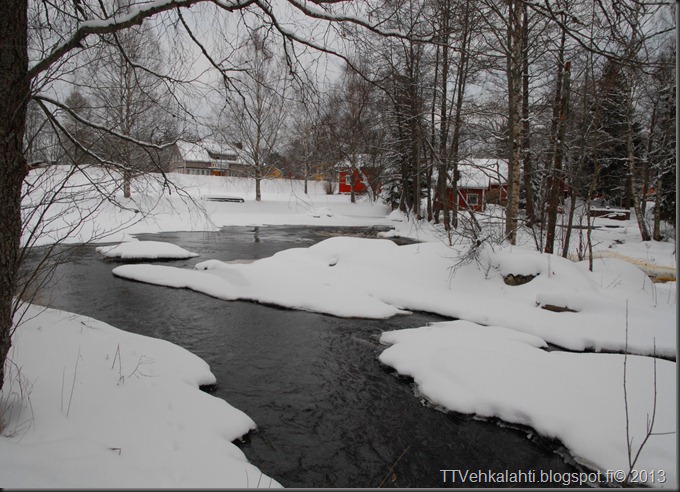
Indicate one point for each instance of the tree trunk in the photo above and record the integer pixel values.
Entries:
(570, 222)
(644, 232)
(352, 195)
(594, 180)
(657, 209)
(258, 179)
(461, 81)
(14, 94)
(514, 113)
(127, 180)
(526, 129)
(559, 124)
(442, 179)
(434, 206)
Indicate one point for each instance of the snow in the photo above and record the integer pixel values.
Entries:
(491, 362)
(106, 408)
(133, 250)
(375, 278)
(492, 371)
(152, 209)
(481, 173)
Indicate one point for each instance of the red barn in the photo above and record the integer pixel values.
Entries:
(348, 176)
(480, 182)
(364, 174)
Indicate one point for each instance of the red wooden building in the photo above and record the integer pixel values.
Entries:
(480, 182)
(345, 178)
(364, 176)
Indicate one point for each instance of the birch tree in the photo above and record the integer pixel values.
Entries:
(514, 76)
(129, 100)
(255, 112)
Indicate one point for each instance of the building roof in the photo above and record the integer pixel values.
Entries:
(482, 173)
(362, 160)
(209, 152)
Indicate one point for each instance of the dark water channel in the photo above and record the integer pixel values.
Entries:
(328, 414)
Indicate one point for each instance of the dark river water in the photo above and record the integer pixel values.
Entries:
(328, 413)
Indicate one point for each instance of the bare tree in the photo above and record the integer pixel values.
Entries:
(457, 60)
(352, 128)
(557, 134)
(255, 112)
(304, 151)
(661, 149)
(514, 75)
(625, 35)
(126, 96)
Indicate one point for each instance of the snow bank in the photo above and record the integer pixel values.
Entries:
(375, 278)
(105, 408)
(274, 280)
(492, 371)
(152, 250)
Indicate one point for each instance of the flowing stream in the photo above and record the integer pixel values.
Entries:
(328, 413)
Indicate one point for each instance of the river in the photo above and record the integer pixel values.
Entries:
(328, 413)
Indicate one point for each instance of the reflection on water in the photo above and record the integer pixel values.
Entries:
(328, 414)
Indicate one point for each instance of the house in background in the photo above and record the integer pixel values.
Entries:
(208, 158)
(361, 176)
(347, 176)
(480, 182)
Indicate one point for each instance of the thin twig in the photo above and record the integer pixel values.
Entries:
(625, 395)
(73, 384)
(394, 464)
(650, 422)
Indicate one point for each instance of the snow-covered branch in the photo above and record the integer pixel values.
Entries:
(135, 16)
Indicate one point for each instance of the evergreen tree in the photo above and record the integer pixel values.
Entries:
(613, 182)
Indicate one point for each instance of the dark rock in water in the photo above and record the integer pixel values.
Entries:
(512, 279)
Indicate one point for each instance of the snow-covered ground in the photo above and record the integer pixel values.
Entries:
(491, 363)
(81, 215)
(92, 406)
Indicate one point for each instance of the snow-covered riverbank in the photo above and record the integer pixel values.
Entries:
(89, 405)
(491, 363)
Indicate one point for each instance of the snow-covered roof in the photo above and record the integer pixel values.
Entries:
(481, 173)
(192, 152)
(360, 160)
(208, 152)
